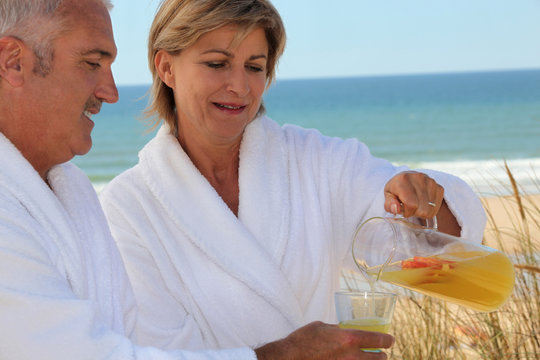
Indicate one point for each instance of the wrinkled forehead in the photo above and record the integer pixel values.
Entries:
(76, 12)
(88, 22)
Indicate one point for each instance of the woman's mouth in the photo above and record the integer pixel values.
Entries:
(230, 107)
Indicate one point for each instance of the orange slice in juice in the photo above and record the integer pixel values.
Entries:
(424, 262)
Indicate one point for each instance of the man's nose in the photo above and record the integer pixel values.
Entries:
(106, 90)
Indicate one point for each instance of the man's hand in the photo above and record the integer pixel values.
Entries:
(318, 340)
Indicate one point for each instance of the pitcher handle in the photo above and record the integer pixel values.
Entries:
(432, 223)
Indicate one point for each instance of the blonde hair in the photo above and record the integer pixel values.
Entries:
(178, 24)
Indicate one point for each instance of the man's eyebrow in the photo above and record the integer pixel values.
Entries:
(229, 54)
(100, 52)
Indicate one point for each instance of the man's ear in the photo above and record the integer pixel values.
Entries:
(162, 61)
(11, 60)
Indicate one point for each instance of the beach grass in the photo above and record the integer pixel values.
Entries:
(428, 328)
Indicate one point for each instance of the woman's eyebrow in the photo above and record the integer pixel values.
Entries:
(255, 57)
(219, 51)
(231, 55)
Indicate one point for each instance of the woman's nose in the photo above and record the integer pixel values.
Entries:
(238, 82)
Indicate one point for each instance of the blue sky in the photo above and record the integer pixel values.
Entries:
(342, 38)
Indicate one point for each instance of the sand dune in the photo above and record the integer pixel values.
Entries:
(506, 225)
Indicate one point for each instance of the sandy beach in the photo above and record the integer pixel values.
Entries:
(505, 224)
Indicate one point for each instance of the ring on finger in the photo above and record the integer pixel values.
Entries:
(432, 204)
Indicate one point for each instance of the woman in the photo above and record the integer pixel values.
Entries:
(234, 229)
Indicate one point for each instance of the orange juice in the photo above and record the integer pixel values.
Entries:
(481, 280)
(368, 324)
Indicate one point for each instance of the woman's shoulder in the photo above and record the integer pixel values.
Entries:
(313, 139)
(123, 184)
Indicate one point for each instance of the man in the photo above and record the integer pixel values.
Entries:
(63, 289)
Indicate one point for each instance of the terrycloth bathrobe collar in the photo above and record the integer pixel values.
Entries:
(70, 220)
(243, 254)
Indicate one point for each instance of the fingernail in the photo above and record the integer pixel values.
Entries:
(394, 209)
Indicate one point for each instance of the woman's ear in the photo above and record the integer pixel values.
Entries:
(11, 61)
(162, 62)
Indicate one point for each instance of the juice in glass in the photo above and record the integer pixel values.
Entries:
(369, 324)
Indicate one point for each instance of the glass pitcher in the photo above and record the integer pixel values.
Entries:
(422, 259)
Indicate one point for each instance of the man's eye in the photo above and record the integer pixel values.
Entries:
(93, 65)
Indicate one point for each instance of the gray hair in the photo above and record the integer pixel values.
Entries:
(38, 23)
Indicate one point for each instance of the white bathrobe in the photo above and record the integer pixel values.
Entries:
(64, 293)
(205, 278)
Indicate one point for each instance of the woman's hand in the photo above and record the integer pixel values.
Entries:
(412, 193)
(318, 340)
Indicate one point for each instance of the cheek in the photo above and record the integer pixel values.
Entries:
(190, 97)
(257, 86)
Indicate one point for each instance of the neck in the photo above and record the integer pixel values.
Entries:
(32, 154)
(24, 136)
(219, 165)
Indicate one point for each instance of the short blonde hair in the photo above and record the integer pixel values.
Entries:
(178, 24)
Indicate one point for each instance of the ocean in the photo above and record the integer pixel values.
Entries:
(467, 124)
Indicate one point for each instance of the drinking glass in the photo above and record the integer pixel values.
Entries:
(365, 310)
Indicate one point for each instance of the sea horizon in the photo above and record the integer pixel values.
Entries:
(467, 124)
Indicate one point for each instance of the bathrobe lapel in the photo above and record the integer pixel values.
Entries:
(228, 254)
(71, 226)
(19, 178)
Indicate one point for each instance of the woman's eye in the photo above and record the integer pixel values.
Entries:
(255, 68)
(215, 65)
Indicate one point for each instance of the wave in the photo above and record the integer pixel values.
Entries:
(487, 177)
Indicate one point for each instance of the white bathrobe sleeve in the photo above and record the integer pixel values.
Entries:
(41, 317)
(350, 183)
